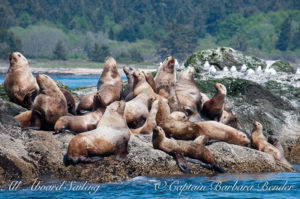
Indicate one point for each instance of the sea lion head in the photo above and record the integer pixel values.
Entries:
(169, 64)
(180, 116)
(221, 88)
(110, 65)
(117, 107)
(187, 73)
(128, 71)
(16, 58)
(158, 132)
(243, 139)
(139, 76)
(257, 126)
(45, 82)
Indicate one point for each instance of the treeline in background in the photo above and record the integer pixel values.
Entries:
(148, 30)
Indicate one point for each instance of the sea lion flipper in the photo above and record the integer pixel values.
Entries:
(129, 97)
(218, 169)
(121, 156)
(196, 161)
(181, 162)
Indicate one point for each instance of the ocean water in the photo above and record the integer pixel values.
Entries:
(73, 81)
(262, 185)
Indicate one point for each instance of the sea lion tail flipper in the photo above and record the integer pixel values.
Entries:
(181, 162)
(218, 169)
(196, 161)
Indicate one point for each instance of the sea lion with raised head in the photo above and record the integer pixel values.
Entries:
(259, 142)
(213, 108)
(165, 81)
(49, 105)
(179, 148)
(19, 84)
(127, 93)
(110, 137)
(187, 91)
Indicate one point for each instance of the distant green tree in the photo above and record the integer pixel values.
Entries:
(8, 42)
(59, 51)
(111, 34)
(24, 19)
(285, 35)
(136, 55)
(295, 44)
(180, 42)
(239, 42)
(99, 53)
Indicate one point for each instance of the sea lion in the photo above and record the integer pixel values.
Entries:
(193, 149)
(19, 84)
(24, 118)
(127, 93)
(259, 142)
(137, 110)
(70, 101)
(165, 81)
(110, 137)
(179, 116)
(86, 104)
(275, 142)
(192, 114)
(142, 86)
(82, 123)
(150, 123)
(109, 86)
(230, 119)
(187, 91)
(49, 105)
(191, 130)
(213, 108)
(150, 80)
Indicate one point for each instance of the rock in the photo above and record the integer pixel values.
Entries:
(282, 66)
(30, 154)
(223, 56)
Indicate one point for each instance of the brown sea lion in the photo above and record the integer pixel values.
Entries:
(49, 105)
(179, 148)
(82, 123)
(259, 142)
(230, 119)
(19, 84)
(110, 137)
(275, 142)
(191, 130)
(187, 91)
(150, 123)
(137, 110)
(127, 93)
(70, 101)
(165, 81)
(150, 80)
(24, 118)
(213, 108)
(179, 116)
(142, 86)
(86, 104)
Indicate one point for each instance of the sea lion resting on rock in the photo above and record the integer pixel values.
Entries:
(187, 91)
(48, 106)
(109, 86)
(137, 110)
(213, 108)
(259, 141)
(275, 142)
(230, 119)
(110, 137)
(19, 84)
(180, 148)
(165, 81)
(82, 123)
(179, 116)
(190, 130)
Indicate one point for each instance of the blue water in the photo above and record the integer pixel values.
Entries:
(263, 185)
(74, 81)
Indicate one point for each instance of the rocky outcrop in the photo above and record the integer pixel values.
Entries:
(30, 154)
(224, 56)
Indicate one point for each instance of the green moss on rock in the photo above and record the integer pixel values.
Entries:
(3, 94)
(282, 66)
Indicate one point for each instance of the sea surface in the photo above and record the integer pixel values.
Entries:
(262, 185)
(73, 81)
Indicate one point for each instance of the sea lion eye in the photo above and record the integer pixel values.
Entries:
(19, 55)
